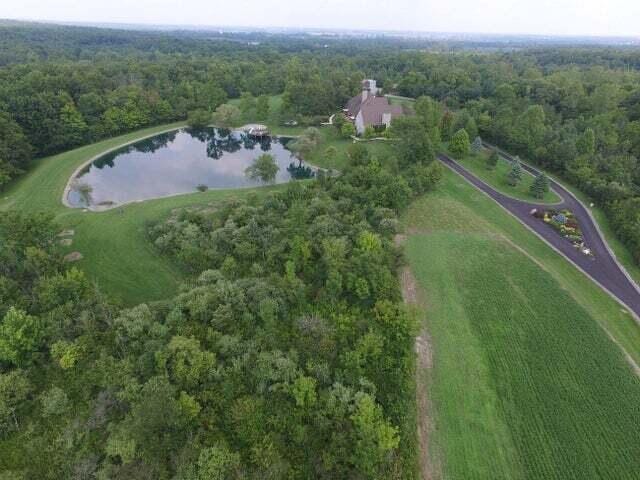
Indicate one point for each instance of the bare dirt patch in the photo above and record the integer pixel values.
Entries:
(399, 239)
(73, 257)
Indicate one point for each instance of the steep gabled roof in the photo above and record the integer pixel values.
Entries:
(353, 105)
(374, 108)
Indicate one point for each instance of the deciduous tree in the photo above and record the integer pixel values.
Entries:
(459, 144)
(227, 116)
(263, 168)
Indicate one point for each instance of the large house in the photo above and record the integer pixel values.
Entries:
(368, 109)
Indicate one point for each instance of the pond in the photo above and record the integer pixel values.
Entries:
(181, 161)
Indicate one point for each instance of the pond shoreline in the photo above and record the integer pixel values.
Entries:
(76, 172)
(106, 206)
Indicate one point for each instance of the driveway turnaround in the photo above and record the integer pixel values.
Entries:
(602, 267)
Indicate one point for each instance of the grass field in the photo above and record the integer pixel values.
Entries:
(497, 178)
(332, 138)
(525, 383)
(116, 252)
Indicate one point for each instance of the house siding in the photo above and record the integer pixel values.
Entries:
(360, 123)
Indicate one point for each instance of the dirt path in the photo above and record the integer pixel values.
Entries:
(424, 356)
(424, 364)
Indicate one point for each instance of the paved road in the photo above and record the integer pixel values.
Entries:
(602, 267)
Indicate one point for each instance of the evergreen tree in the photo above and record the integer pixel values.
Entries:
(338, 121)
(476, 146)
(492, 160)
(540, 186)
(515, 175)
(470, 126)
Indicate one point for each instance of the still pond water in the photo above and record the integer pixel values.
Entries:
(176, 162)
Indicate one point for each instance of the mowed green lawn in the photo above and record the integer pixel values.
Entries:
(497, 178)
(525, 381)
(116, 252)
(331, 138)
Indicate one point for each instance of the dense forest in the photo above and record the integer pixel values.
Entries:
(290, 356)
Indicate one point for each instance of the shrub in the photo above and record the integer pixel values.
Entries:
(348, 130)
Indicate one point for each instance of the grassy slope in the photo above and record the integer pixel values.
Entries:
(115, 249)
(525, 384)
(118, 254)
(42, 187)
(497, 178)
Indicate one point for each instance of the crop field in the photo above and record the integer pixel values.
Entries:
(525, 381)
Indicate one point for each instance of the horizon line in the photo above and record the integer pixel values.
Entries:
(258, 28)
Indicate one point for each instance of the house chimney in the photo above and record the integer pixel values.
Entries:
(373, 88)
(365, 95)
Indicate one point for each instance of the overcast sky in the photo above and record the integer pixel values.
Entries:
(557, 17)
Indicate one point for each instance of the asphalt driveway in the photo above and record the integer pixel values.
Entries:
(601, 267)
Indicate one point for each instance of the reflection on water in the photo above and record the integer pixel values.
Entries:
(177, 162)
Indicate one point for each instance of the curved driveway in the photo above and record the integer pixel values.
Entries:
(603, 267)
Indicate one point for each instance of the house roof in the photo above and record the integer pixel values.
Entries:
(374, 108)
(353, 105)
